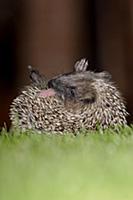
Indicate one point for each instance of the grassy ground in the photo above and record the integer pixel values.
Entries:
(97, 166)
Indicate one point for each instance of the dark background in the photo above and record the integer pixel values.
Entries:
(52, 35)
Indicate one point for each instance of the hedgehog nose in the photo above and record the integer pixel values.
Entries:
(51, 83)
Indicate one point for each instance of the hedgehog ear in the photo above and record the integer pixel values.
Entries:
(104, 75)
(34, 75)
(81, 66)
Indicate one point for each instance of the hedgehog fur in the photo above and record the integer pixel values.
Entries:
(82, 100)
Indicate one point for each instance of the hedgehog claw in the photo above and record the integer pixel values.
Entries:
(81, 65)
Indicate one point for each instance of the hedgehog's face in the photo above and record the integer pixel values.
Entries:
(78, 85)
(74, 86)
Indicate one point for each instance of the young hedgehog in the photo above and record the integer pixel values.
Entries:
(69, 102)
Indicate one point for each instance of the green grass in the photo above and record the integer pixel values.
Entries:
(96, 166)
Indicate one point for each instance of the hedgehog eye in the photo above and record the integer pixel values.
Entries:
(70, 92)
(87, 95)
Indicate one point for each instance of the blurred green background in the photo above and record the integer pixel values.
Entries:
(90, 166)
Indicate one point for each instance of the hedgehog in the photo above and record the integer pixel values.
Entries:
(69, 102)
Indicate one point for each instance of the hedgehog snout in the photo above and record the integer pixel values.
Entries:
(56, 85)
(52, 83)
(64, 91)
